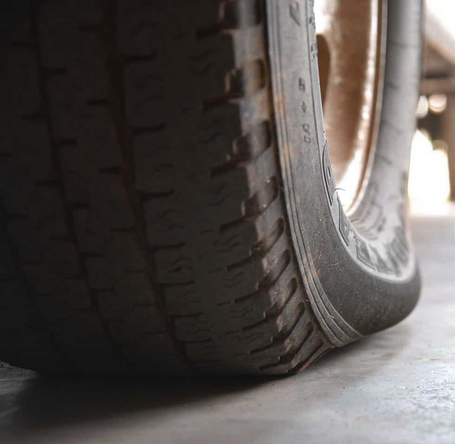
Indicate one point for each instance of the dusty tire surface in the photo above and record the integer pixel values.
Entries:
(155, 215)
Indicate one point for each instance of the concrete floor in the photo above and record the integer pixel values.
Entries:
(396, 387)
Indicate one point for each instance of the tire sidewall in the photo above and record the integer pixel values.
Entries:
(361, 274)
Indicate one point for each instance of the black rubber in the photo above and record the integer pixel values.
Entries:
(147, 220)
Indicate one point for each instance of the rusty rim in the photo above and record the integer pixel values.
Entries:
(351, 47)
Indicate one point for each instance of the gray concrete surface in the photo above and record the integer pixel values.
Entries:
(396, 387)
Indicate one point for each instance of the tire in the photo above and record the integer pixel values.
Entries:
(166, 207)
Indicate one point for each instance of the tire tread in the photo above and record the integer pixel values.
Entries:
(141, 243)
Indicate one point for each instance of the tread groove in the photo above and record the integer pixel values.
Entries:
(58, 181)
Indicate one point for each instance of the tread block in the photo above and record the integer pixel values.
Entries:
(145, 93)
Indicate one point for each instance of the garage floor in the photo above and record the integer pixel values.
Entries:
(396, 387)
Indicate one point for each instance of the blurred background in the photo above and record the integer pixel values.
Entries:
(432, 177)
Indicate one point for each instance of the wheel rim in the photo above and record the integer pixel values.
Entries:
(351, 52)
